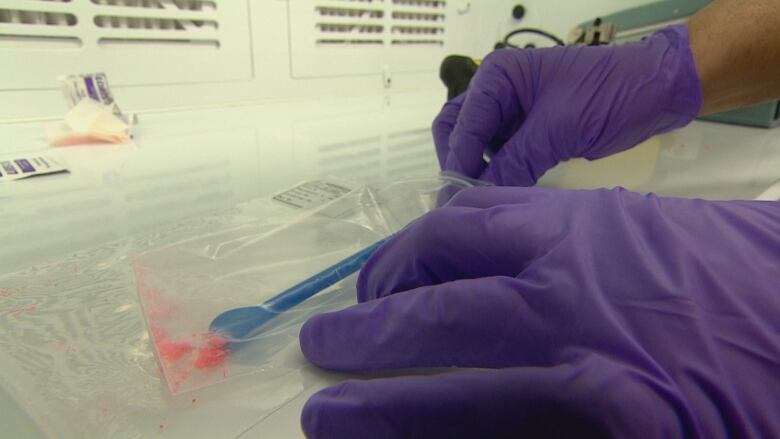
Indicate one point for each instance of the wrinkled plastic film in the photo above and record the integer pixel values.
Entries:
(77, 343)
(185, 286)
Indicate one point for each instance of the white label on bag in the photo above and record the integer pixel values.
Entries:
(313, 194)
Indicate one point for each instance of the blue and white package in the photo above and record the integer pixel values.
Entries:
(19, 167)
(93, 86)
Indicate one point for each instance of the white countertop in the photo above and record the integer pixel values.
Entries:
(189, 164)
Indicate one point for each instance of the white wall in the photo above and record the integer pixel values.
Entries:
(470, 30)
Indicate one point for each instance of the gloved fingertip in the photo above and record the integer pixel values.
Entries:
(313, 422)
(329, 340)
(368, 286)
(310, 339)
(340, 411)
(362, 287)
(471, 168)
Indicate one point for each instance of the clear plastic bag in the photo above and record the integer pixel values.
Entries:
(184, 286)
(75, 339)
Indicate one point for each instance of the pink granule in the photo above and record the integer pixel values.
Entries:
(215, 341)
(174, 350)
(179, 354)
(209, 357)
(210, 348)
(213, 354)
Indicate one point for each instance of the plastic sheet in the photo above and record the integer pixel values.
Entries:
(184, 286)
(75, 342)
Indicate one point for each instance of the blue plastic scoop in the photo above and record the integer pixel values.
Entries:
(240, 324)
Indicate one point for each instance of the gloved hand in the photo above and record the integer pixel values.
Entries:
(539, 107)
(598, 313)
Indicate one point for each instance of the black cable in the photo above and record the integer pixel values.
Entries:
(530, 30)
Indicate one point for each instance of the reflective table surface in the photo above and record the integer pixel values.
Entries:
(186, 165)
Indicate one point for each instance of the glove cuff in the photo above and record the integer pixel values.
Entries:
(685, 94)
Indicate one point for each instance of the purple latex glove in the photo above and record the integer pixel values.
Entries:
(539, 107)
(598, 313)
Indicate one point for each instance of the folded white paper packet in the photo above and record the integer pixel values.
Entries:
(88, 122)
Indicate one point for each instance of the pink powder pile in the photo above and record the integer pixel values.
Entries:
(211, 351)
(213, 354)
(179, 354)
(174, 350)
(204, 351)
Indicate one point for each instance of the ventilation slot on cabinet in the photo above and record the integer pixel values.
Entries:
(135, 42)
(325, 11)
(39, 18)
(350, 34)
(418, 30)
(349, 42)
(418, 23)
(23, 28)
(417, 16)
(417, 35)
(21, 42)
(164, 24)
(349, 26)
(422, 3)
(381, 35)
(144, 43)
(125, 23)
(186, 5)
(158, 23)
